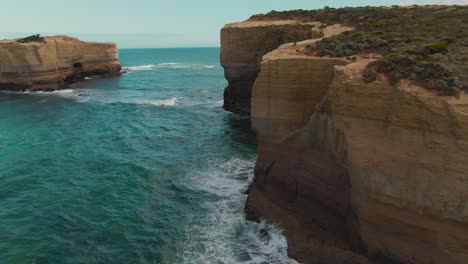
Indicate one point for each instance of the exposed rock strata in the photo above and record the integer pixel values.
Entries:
(355, 172)
(51, 65)
(242, 47)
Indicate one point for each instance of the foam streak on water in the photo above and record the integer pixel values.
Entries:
(144, 168)
(225, 236)
(166, 65)
(140, 68)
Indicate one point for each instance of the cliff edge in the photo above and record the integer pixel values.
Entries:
(52, 62)
(243, 45)
(358, 171)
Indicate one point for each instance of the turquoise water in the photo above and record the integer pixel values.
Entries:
(144, 168)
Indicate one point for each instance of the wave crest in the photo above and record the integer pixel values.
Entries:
(225, 236)
(63, 93)
(165, 102)
(172, 65)
(165, 65)
(139, 68)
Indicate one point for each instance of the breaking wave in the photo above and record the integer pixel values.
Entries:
(64, 93)
(165, 65)
(172, 65)
(163, 166)
(166, 102)
(139, 68)
(224, 233)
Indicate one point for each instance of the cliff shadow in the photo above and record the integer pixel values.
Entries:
(239, 131)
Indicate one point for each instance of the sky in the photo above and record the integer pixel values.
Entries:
(152, 23)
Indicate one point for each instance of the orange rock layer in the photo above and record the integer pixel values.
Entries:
(242, 47)
(51, 65)
(356, 172)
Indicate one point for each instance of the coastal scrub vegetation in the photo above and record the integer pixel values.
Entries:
(32, 38)
(424, 43)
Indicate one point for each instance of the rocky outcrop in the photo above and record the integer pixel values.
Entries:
(242, 47)
(356, 172)
(298, 187)
(51, 64)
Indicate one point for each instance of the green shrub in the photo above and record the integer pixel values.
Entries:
(404, 66)
(33, 38)
(425, 43)
(438, 47)
(370, 76)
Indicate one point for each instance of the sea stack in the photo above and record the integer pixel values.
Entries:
(353, 170)
(51, 63)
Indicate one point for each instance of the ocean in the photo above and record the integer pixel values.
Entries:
(142, 168)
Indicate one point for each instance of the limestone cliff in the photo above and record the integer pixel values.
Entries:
(242, 47)
(356, 172)
(51, 64)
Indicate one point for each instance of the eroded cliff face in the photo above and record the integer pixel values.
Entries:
(356, 172)
(60, 60)
(242, 47)
(407, 153)
(302, 182)
(353, 172)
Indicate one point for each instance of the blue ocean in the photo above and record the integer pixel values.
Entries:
(142, 168)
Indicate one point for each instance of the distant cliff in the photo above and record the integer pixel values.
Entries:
(52, 62)
(242, 47)
(357, 170)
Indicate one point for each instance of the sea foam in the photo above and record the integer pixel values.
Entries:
(172, 65)
(224, 233)
(64, 93)
(140, 68)
(165, 65)
(164, 102)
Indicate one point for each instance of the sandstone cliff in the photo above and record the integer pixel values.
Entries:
(242, 47)
(51, 64)
(356, 172)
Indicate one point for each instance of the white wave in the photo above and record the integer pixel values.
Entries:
(13, 92)
(166, 102)
(173, 65)
(209, 67)
(88, 78)
(140, 68)
(64, 93)
(219, 103)
(163, 65)
(224, 236)
(167, 64)
(60, 92)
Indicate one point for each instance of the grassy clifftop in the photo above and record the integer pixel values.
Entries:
(424, 43)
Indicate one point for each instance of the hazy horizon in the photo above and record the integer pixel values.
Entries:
(153, 24)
